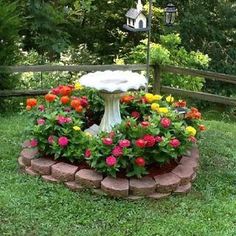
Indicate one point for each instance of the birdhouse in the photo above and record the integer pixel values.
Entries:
(136, 20)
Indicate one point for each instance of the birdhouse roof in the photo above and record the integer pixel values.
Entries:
(133, 13)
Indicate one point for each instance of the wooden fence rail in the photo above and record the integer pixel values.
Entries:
(157, 74)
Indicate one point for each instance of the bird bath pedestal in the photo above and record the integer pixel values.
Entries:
(112, 84)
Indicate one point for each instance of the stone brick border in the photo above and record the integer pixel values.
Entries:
(178, 181)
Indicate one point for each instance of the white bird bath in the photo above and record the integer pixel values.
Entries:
(112, 84)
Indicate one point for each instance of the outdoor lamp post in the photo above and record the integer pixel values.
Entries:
(136, 23)
(170, 14)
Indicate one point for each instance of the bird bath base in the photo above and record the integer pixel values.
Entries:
(111, 115)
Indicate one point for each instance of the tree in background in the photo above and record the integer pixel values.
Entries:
(10, 24)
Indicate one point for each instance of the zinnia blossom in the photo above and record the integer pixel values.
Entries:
(140, 143)
(150, 140)
(158, 139)
(63, 141)
(135, 114)
(124, 143)
(34, 143)
(165, 122)
(107, 141)
(32, 102)
(145, 124)
(87, 153)
(111, 161)
(170, 99)
(40, 121)
(191, 131)
(117, 151)
(174, 143)
(139, 161)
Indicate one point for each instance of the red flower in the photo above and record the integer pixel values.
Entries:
(135, 114)
(145, 123)
(180, 103)
(63, 141)
(107, 141)
(87, 153)
(65, 90)
(143, 100)
(140, 143)
(124, 143)
(139, 161)
(165, 122)
(117, 151)
(65, 99)
(34, 143)
(194, 114)
(150, 140)
(84, 101)
(174, 143)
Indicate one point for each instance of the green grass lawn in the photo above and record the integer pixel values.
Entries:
(29, 206)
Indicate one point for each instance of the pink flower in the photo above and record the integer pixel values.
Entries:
(192, 139)
(107, 141)
(55, 91)
(63, 141)
(117, 151)
(88, 153)
(174, 143)
(165, 122)
(145, 123)
(34, 143)
(41, 121)
(41, 108)
(124, 143)
(158, 139)
(140, 143)
(135, 114)
(150, 140)
(111, 161)
(50, 139)
(62, 120)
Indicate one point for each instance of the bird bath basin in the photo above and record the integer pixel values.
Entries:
(112, 84)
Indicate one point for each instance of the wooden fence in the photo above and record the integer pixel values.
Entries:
(157, 74)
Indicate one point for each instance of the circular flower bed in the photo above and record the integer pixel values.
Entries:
(155, 132)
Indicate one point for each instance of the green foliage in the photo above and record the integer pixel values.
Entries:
(170, 51)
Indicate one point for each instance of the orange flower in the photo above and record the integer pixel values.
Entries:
(180, 103)
(194, 114)
(75, 103)
(65, 90)
(202, 127)
(32, 102)
(50, 97)
(79, 108)
(28, 108)
(65, 99)
(127, 99)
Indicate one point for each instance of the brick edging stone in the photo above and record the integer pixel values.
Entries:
(178, 181)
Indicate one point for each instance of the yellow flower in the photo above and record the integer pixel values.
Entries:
(170, 99)
(149, 97)
(88, 134)
(76, 128)
(191, 131)
(157, 97)
(155, 106)
(163, 110)
(78, 86)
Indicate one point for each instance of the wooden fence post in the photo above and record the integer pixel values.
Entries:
(157, 79)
